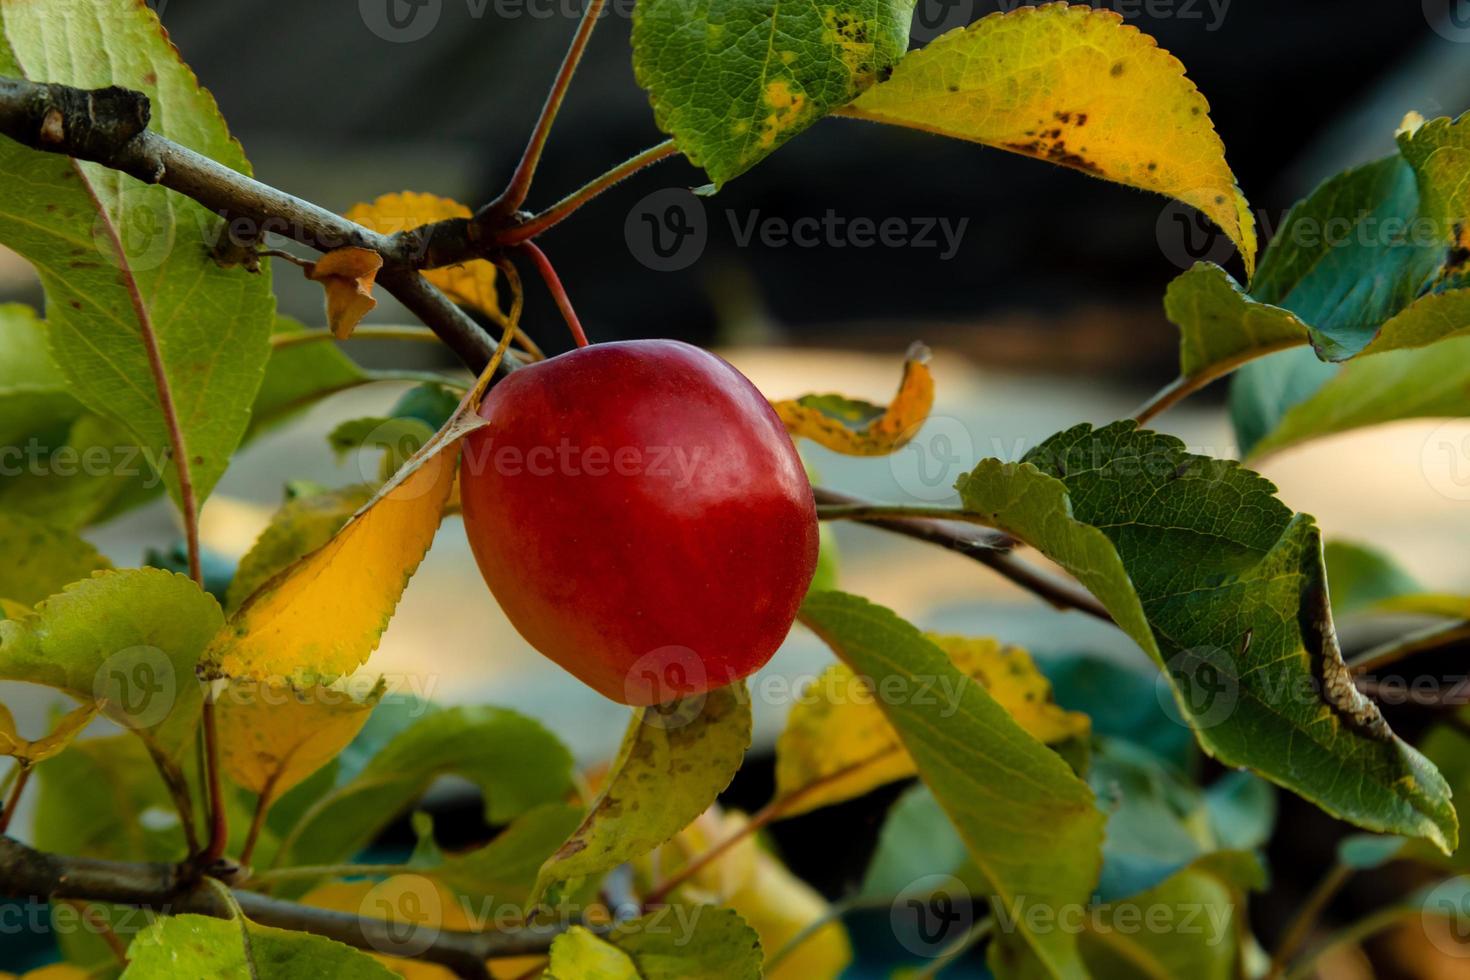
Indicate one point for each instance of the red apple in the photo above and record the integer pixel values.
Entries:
(642, 517)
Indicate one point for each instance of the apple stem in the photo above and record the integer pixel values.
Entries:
(558, 291)
(515, 192)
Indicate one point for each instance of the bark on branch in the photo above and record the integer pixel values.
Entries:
(109, 127)
(28, 874)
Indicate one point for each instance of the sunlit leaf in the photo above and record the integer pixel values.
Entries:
(1029, 824)
(860, 428)
(838, 745)
(347, 275)
(1078, 87)
(272, 735)
(28, 752)
(731, 80)
(131, 637)
(674, 760)
(1224, 587)
(323, 615)
(146, 327)
(40, 560)
(301, 526)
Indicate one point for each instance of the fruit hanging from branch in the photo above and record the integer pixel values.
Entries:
(642, 517)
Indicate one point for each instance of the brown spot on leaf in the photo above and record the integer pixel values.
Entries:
(1117, 70)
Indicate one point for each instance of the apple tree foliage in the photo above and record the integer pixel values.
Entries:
(1031, 786)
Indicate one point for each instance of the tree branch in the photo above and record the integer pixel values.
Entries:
(989, 547)
(26, 873)
(109, 127)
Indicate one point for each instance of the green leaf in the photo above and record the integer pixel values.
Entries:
(1439, 152)
(300, 527)
(132, 292)
(34, 395)
(516, 763)
(1188, 926)
(731, 80)
(1224, 587)
(87, 472)
(1430, 382)
(225, 949)
(297, 375)
(1077, 87)
(917, 841)
(505, 869)
(131, 637)
(1029, 824)
(400, 438)
(1122, 702)
(1364, 852)
(674, 760)
(41, 559)
(700, 942)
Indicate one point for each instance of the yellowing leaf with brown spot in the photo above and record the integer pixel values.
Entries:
(839, 745)
(860, 428)
(1080, 88)
(347, 274)
(322, 616)
(469, 283)
(29, 753)
(274, 735)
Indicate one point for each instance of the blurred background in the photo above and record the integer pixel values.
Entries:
(1038, 288)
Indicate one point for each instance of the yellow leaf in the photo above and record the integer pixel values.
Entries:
(839, 745)
(274, 735)
(347, 274)
(746, 878)
(860, 428)
(322, 616)
(468, 284)
(29, 753)
(1078, 87)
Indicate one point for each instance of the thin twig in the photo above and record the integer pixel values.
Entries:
(558, 291)
(558, 212)
(13, 800)
(989, 548)
(514, 195)
(219, 821)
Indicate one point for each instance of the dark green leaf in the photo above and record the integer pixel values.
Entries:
(1224, 587)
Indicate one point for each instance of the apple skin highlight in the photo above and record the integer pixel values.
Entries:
(641, 515)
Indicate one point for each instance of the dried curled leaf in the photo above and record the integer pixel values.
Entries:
(275, 735)
(347, 274)
(860, 428)
(1077, 87)
(838, 745)
(28, 752)
(469, 284)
